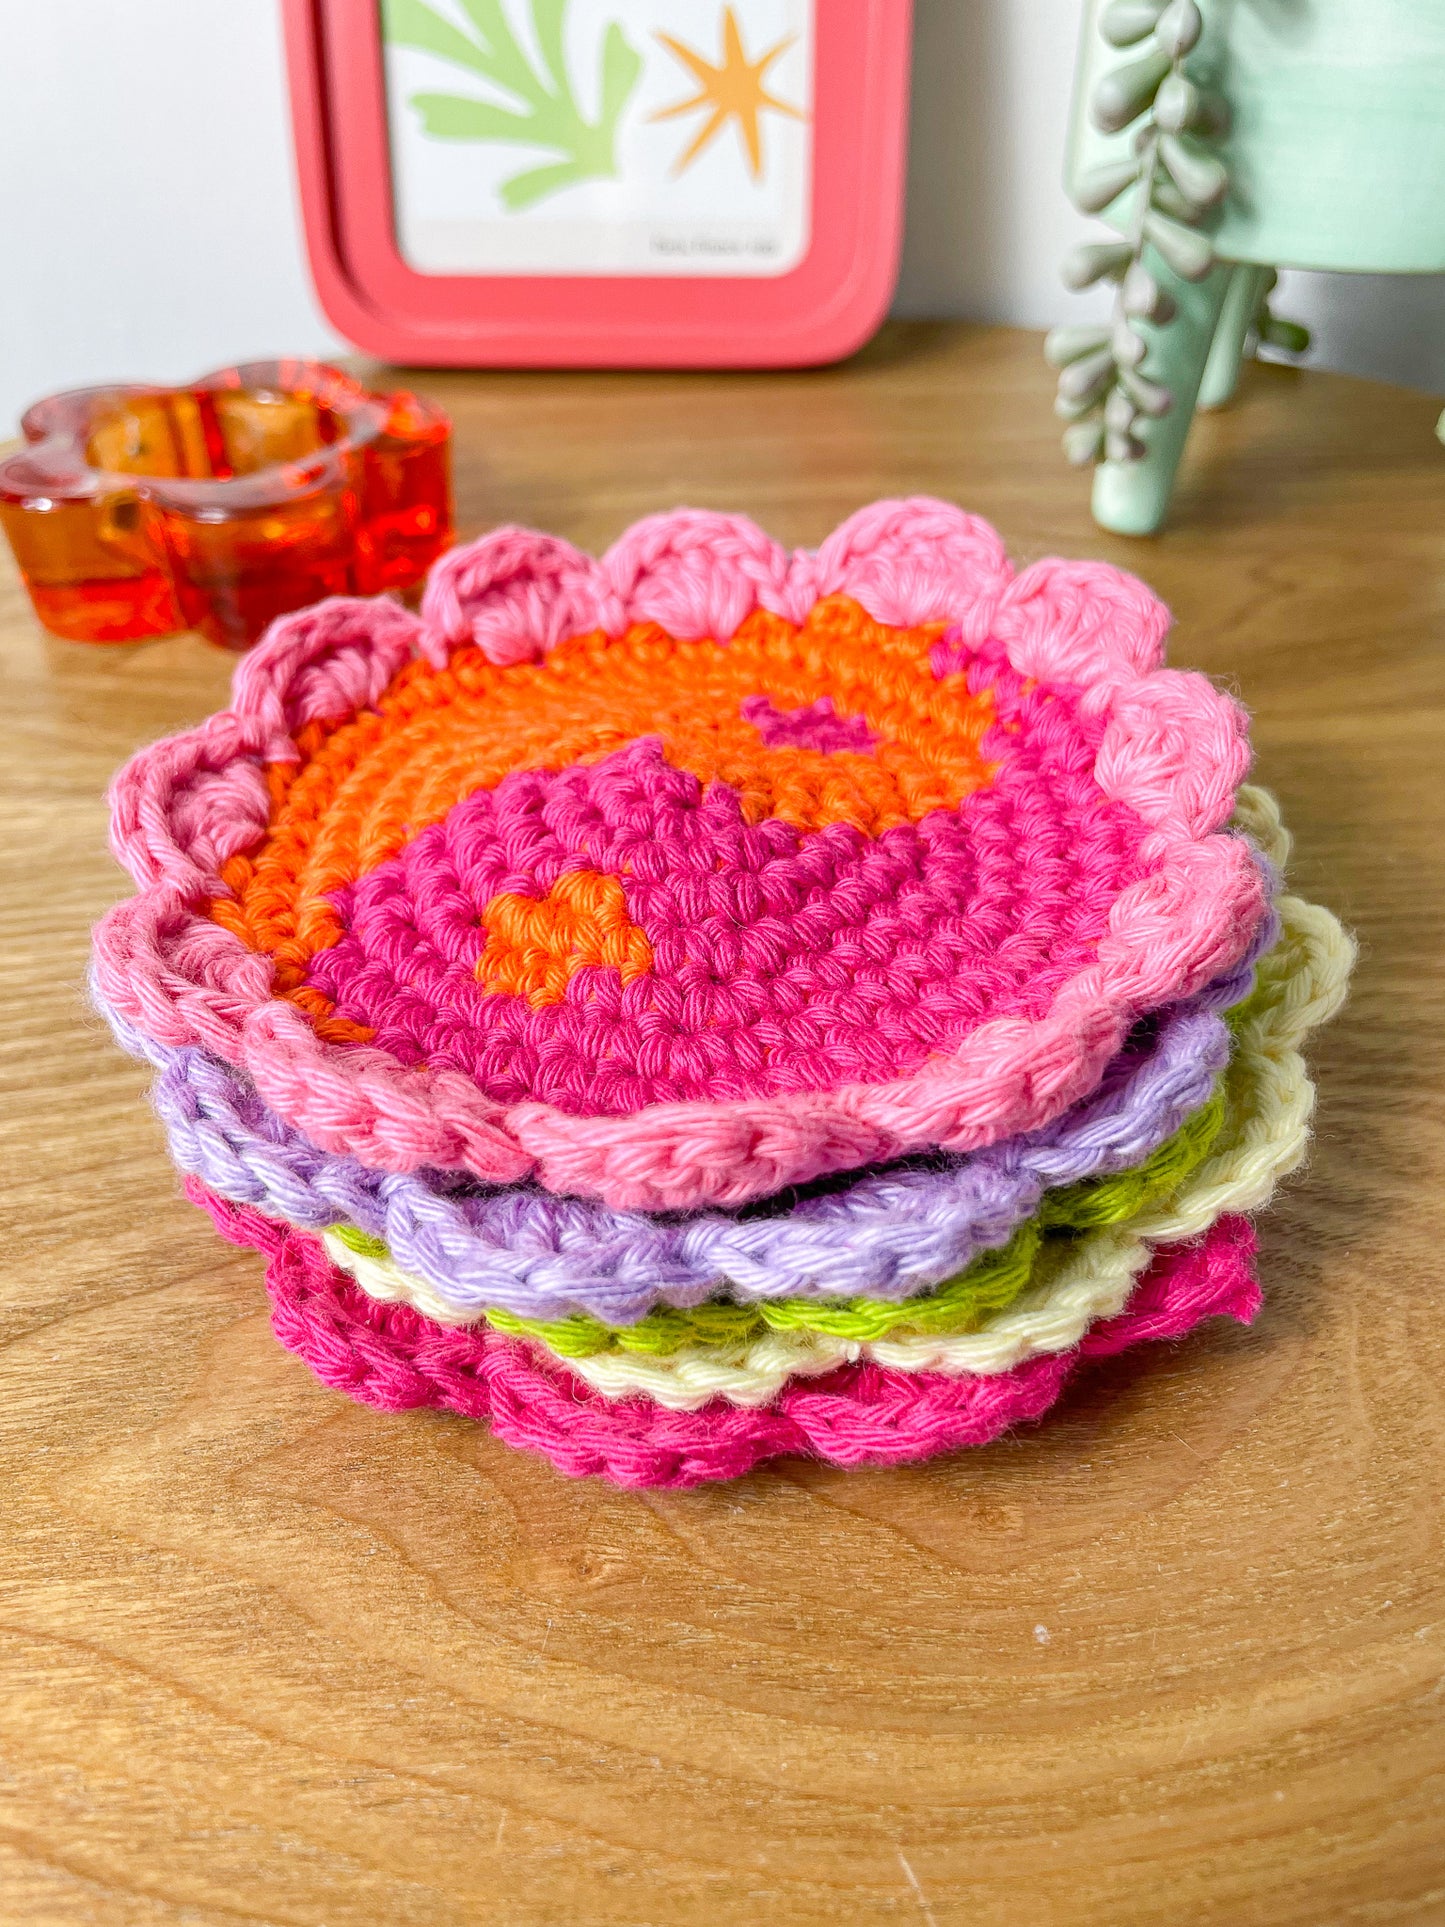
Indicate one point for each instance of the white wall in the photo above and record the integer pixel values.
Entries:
(148, 225)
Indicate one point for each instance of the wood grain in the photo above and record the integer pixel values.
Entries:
(1173, 1656)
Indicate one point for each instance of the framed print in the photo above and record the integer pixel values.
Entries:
(602, 182)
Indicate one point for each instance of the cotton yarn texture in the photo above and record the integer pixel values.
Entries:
(708, 1003)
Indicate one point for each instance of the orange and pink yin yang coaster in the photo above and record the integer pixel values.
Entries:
(685, 875)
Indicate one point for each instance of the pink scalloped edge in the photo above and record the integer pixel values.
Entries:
(391, 1358)
(1174, 749)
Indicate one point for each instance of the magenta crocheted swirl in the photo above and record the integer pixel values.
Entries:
(390, 1357)
(686, 875)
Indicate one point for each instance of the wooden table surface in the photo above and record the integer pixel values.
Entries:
(1173, 1656)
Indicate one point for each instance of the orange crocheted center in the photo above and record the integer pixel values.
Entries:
(535, 946)
(366, 787)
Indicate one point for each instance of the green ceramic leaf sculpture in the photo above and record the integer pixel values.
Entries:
(546, 115)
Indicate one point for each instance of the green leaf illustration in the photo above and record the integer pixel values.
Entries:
(621, 65)
(547, 114)
(456, 117)
(408, 23)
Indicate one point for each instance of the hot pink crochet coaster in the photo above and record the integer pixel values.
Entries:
(685, 875)
(391, 1357)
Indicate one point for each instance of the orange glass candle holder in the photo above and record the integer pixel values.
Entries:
(137, 511)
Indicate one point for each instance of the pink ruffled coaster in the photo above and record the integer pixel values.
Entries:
(390, 1357)
(681, 876)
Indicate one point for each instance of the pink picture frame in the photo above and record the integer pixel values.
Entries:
(818, 311)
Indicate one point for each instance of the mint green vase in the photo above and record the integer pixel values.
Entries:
(1336, 159)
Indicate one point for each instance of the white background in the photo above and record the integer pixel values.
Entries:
(148, 225)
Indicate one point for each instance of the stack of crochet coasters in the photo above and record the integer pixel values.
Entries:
(710, 1003)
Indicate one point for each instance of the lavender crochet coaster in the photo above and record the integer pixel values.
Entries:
(887, 1233)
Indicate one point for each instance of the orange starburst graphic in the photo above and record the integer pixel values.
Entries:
(733, 90)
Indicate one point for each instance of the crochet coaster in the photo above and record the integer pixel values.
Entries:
(690, 874)
(959, 1304)
(390, 1357)
(889, 1234)
(1227, 1158)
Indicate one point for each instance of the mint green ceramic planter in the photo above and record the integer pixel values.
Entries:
(1336, 159)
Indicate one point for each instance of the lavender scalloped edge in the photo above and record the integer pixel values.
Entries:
(890, 1233)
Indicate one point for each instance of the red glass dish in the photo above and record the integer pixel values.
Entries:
(137, 511)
